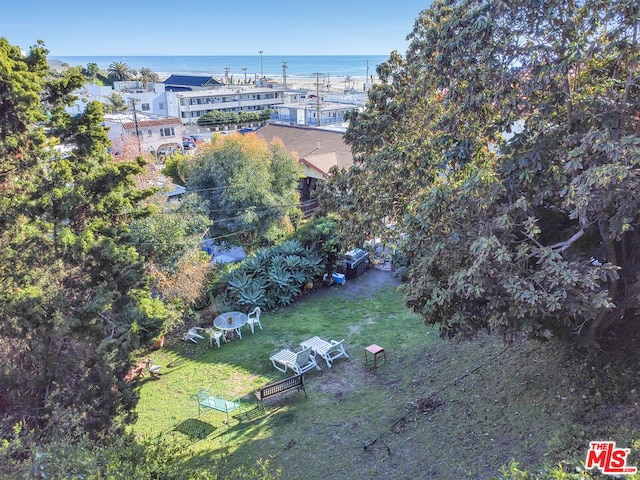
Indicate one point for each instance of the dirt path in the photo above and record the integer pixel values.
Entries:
(365, 286)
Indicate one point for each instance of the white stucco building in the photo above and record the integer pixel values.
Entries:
(143, 132)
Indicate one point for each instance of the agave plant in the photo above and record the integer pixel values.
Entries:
(253, 294)
(291, 247)
(279, 276)
(291, 262)
(276, 259)
(254, 264)
(238, 280)
(312, 266)
(283, 298)
(292, 290)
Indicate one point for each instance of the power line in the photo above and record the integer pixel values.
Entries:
(257, 208)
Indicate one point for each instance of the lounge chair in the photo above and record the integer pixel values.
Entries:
(300, 362)
(327, 350)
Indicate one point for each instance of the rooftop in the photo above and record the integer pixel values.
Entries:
(317, 148)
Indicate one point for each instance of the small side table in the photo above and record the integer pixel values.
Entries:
(374, 350)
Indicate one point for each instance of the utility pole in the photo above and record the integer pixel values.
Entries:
(226, 75)
(366, 80)
(261, 74)
(284, 74)
(244, 69)
(135, 123)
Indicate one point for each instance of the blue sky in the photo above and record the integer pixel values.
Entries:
(211, 27)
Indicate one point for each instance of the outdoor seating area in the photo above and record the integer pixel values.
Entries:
(276, 403)
(304, 360)
(226, 326)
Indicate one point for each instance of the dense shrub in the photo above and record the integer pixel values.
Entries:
(321, 235)
(118, 458)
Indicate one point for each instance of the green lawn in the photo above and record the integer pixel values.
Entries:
(437, 409)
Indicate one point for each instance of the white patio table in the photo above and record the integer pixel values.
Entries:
(231, 322)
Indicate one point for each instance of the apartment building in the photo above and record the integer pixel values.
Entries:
(188, 106)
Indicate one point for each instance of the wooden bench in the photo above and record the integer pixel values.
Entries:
(207, 401)
(281, 386)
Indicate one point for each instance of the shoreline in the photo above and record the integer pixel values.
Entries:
(331, 84)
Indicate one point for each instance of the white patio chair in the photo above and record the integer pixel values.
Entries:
(300, 362)
(215, 335)
(327, 350)
(253, 318)
(192, 334)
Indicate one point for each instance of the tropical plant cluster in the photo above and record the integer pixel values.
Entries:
(271, 277)
(217, 118)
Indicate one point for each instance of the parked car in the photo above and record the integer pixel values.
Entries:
(198, 139)
(188, 143)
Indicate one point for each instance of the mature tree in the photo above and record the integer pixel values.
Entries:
(147, 76)
(74, 300)
(505, 147)
(91, 71)
(118, 71)
(249, 187)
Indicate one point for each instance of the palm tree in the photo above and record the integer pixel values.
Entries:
(147, 76)
(118, 71)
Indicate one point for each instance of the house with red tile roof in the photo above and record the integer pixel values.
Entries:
(140, 133)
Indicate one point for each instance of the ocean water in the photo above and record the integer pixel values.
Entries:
(268, 65)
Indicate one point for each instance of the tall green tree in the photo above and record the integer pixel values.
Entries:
(74, 300)
(92, 71)
(250, 188)
(505, 147)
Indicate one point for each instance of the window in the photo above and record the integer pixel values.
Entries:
(167, 132)
(150, 133)
(162, 105)
(145, 107)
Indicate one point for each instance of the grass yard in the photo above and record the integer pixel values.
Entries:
(437, 409)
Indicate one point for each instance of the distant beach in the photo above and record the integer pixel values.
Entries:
(323, 67)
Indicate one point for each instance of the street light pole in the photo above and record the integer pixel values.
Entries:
(261, 75)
